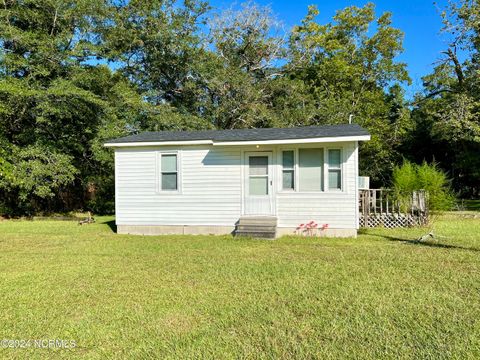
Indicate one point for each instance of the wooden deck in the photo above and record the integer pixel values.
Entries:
(382, 207)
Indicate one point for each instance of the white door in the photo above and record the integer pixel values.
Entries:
(258, 198)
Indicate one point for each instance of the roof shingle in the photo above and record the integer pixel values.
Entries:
(307, 132)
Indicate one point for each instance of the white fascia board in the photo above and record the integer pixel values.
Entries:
(295, 141)
(249, 142)
(160, 143)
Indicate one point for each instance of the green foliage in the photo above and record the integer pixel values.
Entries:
(57, 107)
(40, 171)
(409, 177)
(347, 67)
(242, 76)
(447, 113)
(158, 47)
(6, 167)
(436, 183)
(405, 178)
(32, 177)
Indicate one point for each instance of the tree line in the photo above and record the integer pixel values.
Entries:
(74, 73)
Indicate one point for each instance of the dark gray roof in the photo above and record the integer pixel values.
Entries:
(247, 134)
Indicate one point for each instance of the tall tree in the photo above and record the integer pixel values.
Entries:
(351, 70)
(248, 43)
(157, 45)
(54, 101)
(447, 112)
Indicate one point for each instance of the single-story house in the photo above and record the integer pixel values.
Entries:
(264, 182)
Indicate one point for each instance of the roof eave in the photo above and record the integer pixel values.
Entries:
(242, 143)
(294, 141)
(156, 143)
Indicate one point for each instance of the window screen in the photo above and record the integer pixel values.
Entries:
(310, 163)
(258, 175)
(169, 172)
(288, 170)
(334, 169)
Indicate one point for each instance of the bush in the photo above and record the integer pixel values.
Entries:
(411, 177)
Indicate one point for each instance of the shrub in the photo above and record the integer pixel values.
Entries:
(410, 177)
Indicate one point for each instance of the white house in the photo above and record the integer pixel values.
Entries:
(263, 182)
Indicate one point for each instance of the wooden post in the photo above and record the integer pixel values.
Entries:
(412, 203)
(367, 208)
(381, 201)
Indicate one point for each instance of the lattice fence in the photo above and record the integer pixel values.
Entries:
(392, 220)
(380, 207)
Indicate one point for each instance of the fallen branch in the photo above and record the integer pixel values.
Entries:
(88, 220)
(430, 235)
(425, 237)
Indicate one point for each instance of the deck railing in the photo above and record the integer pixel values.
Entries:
(384, 207)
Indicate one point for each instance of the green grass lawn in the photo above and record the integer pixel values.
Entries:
(378, 296)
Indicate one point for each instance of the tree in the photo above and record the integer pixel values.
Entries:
(351, 71)
(247, 44)
(250, 39)
(156, 44)
(447, 112)
(244, 82)
(59, 101)
(52, 102)
(42, 46)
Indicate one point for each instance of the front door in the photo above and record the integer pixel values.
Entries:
(258, 199)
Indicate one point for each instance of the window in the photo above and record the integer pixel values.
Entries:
(169, 172)
(334, 169)
(307, 173)
(258, 175)
(310, 163)
(288, 171)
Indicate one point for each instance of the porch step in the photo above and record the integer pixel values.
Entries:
(261, 228)
(257, 226)
(258, 220)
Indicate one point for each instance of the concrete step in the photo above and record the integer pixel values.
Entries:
(261, 228)
(258, 220)
(256, 234)
(264, 227)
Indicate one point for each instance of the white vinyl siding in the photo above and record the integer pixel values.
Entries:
(338, 209)
(211, 187)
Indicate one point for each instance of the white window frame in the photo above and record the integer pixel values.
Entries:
(295, 169)
(326, 167)
(159, 189)
(327, 170)
(322, 179)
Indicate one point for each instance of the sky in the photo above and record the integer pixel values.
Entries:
(418, 19)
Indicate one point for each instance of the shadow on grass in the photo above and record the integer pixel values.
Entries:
(425, 243)
(111, 225)
(472, 205)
